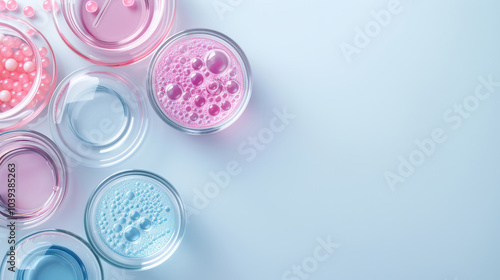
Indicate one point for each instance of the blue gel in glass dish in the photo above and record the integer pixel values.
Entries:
(50, 255)
(135, 220)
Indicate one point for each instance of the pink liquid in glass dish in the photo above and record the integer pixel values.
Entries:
(33, 178)
(200, 81)
(114, 32)
(115, 22)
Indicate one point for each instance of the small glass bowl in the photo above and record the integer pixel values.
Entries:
(51, 254)
(199, 81)
(135, 220)
(97, 116)
(28, 91)
(34, 172)
(115, 34)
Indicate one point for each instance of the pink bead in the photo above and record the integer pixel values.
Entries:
(7, 84)
(29, 67)
(128, 3)
(42, 51)
(14, 76)
(8, 41)
(11, 64)
(28, 11)
(32, 76)
(5, 96)
(46, 78)
(5, 107)
(6, 52)
(2, 5)
(12, 5)
(40, 96)
(13, 102)
(27, 87)
(30, 32)
(91, 6)
(23, 79)
(27, 51)
(17, 86)
(45, 62)
(47, 6)
(20, 95)
(17, 42)
(5, 74)
(19, 56)
(20, 68)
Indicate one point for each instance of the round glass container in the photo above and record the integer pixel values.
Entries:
(199, 81)
(33, 176)
(135, 220)
(97, 116)
(27, 72)
(51, 254)
(111, 33)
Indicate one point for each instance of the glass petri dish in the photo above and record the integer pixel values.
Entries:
(135, 220)
(199, 81)
(27, 72)
(34, 173)
(114, 34)
(51, 254)
(97, 116)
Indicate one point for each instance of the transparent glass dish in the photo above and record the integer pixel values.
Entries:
(51, 254)
(114, 35)
(135, 220)
(29, 91)
(97, 116)
(34, 172)
(199, 81)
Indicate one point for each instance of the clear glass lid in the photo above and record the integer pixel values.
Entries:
(97, 116)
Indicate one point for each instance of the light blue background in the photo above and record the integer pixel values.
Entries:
(324, 174)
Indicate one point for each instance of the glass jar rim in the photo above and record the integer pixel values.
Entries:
(42, 145)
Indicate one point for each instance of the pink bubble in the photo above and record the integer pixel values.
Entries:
(5, 74)
(27, 51)
(5, 107)
(13, 102)
(91, 6)
(6, 52)
(12, 5)
(17, 42)
(8, 84)
(30, 32)
(47, 6)
(8, 41)
(43, 51)
(23, 79)
(45, 62)
(128, 3)
(17, 86)
(14, 76)
(19, 56)
(28, 11)
(2, 5)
